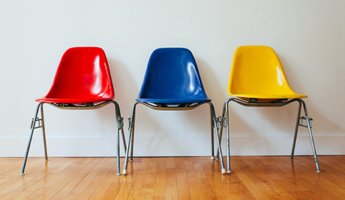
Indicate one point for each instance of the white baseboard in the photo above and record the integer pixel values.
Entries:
(171, 146)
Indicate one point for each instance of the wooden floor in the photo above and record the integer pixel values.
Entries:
(174, 178)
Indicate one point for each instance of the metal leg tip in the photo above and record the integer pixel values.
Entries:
(21, 174)
(229, 172)
(318, 171)
(118, 174)
(217, 158)
(212, 157)
(223, 171)
(124, 172)
(130, 159)
(47, 160)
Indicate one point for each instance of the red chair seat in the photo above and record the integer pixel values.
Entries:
(72, 100)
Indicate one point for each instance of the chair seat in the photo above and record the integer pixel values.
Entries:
(173, 101)
(269, 97)
(72, 100)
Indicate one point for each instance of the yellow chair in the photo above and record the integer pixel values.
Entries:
(257, 79)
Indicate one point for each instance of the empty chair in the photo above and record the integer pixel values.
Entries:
(257, 79)
(172, 82)
(82, 82)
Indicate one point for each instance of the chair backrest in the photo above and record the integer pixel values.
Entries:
(257, 70)
(83, 73)
(172, 73)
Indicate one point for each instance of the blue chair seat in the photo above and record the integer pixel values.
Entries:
(173, 101)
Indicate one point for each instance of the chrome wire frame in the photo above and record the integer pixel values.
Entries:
(40, 123)
(224, 122)
(214, 125)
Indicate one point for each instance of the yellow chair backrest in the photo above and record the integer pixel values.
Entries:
(257, 73)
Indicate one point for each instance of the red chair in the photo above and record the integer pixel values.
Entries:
(82, 81)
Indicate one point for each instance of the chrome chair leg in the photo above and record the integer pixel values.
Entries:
(129, 139)
(123, 139)
(311, 136)
(132, 129)
(296, 130)
(221, 121)
(226, 122)
(218, 138)
(44, 134)
(33, 123)
(119, 121)
(212, 137)
(118, 152)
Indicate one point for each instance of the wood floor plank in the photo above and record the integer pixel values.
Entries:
(331, 166)
(193, 184)
(160, 184)
(171, 182)
(148, 189)
(13, 181)
(249, 184)
(205, 186)
(53, 182)
(265, 189)
(170, 162)
(262, 172)
(7, 170)
(307, 176)
(86, 180)
(107, 181)
(122, 185)
(84, 168)
(285, 171)
(139, 181)
(24, 186)
(182, 183)
(220, 183)
(106, 165)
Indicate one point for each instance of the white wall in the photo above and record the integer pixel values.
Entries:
(307, 35)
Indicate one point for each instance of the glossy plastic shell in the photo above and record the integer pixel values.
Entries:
(172, 77)
(82, 76)
(257, 73)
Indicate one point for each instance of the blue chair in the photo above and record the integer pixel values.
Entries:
(172, 82)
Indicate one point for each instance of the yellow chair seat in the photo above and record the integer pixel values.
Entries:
(269, 97)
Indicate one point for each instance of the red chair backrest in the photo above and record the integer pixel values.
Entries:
(83, 73)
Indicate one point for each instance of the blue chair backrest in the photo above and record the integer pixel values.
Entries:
(172, 73)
